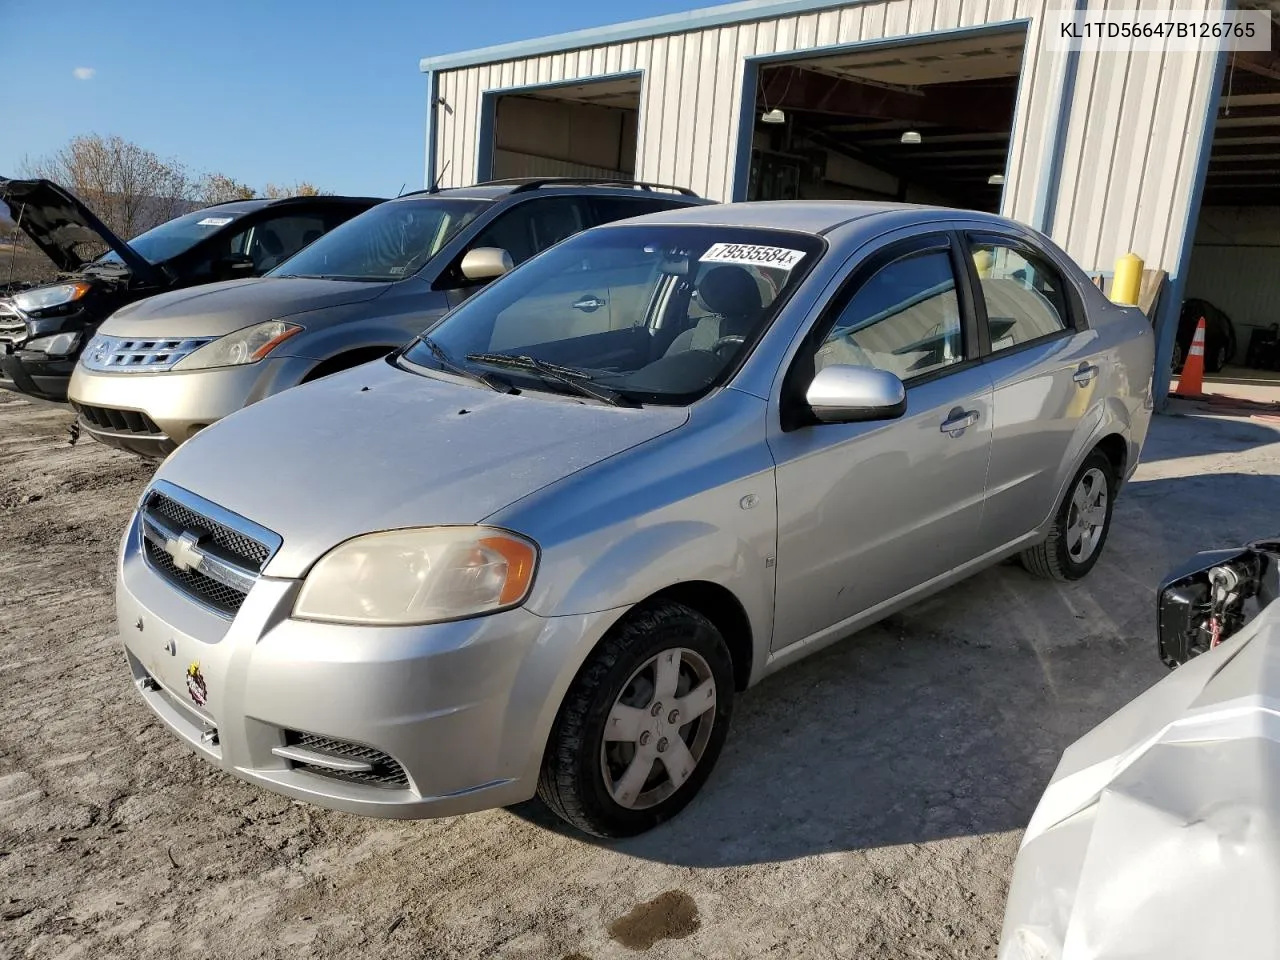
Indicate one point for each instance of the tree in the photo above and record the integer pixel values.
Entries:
(219, 188)
(129, 187)
(300, 189)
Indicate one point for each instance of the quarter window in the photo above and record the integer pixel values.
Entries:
(1025, 297)
(904, 319)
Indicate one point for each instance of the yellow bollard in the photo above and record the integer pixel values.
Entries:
(1127, 282)
(983, 260)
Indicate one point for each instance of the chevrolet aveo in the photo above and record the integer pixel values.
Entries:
(540, 550)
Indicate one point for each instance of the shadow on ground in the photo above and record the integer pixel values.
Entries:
(947, 720)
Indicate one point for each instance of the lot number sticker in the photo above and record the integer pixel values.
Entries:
(215, 221)
(778, 257)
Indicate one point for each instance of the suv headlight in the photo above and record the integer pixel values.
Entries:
(419, 575)
(43, 298)
(248, 345)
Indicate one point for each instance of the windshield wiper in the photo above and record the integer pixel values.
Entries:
(578, 381)
(448, 363)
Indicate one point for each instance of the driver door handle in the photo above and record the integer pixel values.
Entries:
(589, 304)
(1085, 374)
(958, 421)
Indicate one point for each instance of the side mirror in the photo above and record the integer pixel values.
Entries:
(237, 265)
(485, 263)
(849, 394)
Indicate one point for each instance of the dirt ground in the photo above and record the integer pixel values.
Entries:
(869, 803)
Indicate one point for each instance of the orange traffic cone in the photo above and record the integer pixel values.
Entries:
(1191, 380)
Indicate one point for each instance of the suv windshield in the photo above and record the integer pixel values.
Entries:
(391, 241)
(655, 313)
(177, 235)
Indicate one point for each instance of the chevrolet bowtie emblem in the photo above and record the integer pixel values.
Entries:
(185, 551)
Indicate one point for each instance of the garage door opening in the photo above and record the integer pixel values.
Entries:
(921, 123)
(1234, 276)
(579, 130)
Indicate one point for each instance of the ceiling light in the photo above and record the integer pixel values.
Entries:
(911, 136)
(996, 179)
(773, 116)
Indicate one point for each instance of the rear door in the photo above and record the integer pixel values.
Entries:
(867, 511)
(1044, 363)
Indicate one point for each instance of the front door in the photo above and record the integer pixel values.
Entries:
(867, 511)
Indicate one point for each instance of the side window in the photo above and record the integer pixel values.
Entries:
(275, 240)
(531, 227)
(905, 319)
(1025, 296)
(609, 209)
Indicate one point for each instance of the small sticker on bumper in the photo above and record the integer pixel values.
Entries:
(196, 686)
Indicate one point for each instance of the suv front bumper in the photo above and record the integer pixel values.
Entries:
(25, 371)
(462, 710)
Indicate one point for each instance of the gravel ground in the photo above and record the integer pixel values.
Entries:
(869, 802)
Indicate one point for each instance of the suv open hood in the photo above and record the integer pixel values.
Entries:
(57, 222)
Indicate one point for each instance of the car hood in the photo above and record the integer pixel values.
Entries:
(215, 309)
(1159, 834)
(378, 448)
(58, 223)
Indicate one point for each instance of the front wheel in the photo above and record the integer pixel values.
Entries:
(642, 725)
(1080, 526)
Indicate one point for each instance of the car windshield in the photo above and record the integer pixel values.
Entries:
(177, 235)
(391, 241)
(647, 313)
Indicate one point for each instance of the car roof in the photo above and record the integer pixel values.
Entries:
(258, 203)
(808, 216)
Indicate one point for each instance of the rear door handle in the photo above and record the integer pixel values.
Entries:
(589, 304)
(958, 421)
(1085, 374)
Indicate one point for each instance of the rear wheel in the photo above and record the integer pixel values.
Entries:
(1081, 525)
(642, 725)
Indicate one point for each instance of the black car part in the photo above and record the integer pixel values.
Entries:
(1205, 600)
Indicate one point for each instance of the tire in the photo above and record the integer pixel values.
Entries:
(1219, 360)
(1059, 557)
(1176, 363)
(582, 773)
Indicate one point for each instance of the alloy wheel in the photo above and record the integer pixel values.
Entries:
(658, 728)
(1087, 517)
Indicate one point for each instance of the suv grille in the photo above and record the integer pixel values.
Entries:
(386, 772)
(208, 559)
(132, 355)
(124, 421)
(13, 328)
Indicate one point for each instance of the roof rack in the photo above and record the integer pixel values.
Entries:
(524, 184)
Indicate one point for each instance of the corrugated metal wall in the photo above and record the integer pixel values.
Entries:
(1132, 132)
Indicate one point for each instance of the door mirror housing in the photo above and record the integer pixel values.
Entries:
(850, 394)
(486, 263)
(237, 265)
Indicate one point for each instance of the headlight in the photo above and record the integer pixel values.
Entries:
(42, 298)
(243, 346)
(58, 345)
(420, 575)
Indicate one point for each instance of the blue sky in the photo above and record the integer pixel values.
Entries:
(261, 90)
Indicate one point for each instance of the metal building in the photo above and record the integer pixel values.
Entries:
(964, 102)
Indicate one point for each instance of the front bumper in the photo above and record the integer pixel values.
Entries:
(462, 708)
(153, 413)
(35, 374)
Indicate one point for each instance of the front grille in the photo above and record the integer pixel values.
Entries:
(135, 355)
(220, 596)
(123, 421)
(212, 556)
(386, 771)
(13, 326)
(244, 550)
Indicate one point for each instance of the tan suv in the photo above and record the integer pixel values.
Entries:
(162, 369)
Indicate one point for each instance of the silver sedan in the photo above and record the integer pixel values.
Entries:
(542, 548)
